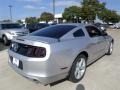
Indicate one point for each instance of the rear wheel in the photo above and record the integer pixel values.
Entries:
(78, 69)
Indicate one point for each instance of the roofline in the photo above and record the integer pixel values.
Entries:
(76, 24)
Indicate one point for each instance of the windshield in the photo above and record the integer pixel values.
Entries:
(41, 25)
(56, 31)
(10, 26)
(37, 26)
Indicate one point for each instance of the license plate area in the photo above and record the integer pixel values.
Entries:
(16, 62)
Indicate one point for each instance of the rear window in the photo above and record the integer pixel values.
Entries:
(56, 31)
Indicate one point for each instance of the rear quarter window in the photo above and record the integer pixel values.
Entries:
(79, 33)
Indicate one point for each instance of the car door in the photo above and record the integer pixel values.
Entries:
(97, 44)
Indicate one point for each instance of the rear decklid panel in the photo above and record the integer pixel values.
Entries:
(35, 39)
(25, 42)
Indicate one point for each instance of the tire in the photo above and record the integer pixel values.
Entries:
(78, 69)
(5, 41)
(110, 50)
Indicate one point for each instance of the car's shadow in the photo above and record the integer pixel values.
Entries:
(2, 46)
(80, 87)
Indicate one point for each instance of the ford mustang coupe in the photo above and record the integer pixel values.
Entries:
(59, 51)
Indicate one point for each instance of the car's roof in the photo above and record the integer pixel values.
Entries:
(75, 24)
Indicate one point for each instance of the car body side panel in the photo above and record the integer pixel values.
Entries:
(65, 52)
(97, 47)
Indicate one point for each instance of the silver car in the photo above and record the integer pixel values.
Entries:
(8, 31)
(59, 51)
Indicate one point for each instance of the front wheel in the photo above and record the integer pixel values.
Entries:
(5, 40)
(110, 50)
(78, 69)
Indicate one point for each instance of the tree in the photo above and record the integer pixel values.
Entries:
(115, 18)
(19, 21)
(91, 8)
(72, 13)
(46, 16)
(88, 14)
(31, 20)
(109, 16)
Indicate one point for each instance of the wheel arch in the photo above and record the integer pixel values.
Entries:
(81, 53)
(4, 35)
(84, 53)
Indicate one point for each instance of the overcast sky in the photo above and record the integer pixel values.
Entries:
(27, 8)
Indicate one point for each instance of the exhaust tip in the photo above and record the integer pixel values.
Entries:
(36, 81)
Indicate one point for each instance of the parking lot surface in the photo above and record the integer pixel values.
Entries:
(104, 74)
(2, 47)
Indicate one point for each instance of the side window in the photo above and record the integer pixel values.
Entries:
(79, 33)
(93, 31)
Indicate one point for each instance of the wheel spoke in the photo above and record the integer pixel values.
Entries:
(80, 63)
(79, 74)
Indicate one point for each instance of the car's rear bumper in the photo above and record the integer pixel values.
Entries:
(39, 79)
(43, 72)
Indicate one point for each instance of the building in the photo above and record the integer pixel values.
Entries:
(58, 18)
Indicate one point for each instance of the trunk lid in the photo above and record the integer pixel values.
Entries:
(46, 40)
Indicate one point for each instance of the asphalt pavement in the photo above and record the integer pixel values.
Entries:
(2, 46)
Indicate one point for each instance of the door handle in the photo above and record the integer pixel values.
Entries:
(92, 44)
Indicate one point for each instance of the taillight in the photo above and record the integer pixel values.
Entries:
(39, 52)
(28, 50)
